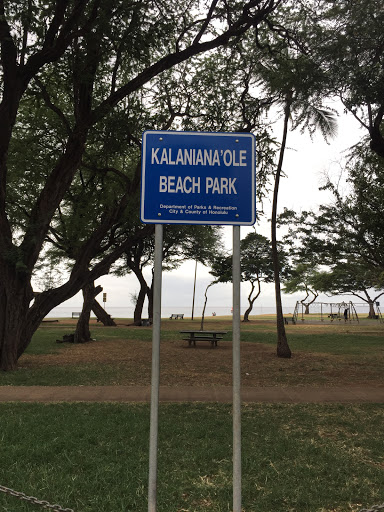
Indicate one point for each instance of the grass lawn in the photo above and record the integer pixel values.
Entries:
(296, 458)
(330, 354)
(93, 457)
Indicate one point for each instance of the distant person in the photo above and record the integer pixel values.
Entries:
(214, 314)
(346, 315)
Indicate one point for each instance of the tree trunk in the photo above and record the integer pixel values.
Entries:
(372, 313)
(19, 319)
(134, 265)
(251, 300)
(283, 349)
(303, 303)
(83, 334)
(307, 306)
(205, 305)
(102, 315)
(138, 313)
(16, 331)
(150, 300)
(247, 312)
(370, 302)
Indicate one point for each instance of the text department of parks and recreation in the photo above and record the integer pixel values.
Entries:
(195, 209)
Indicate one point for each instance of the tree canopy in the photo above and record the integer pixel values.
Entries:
(72, 75)
(81, 80)
(349, 229)
(351, 278)
(342, 244)
(345, 39)
(302, 278)
(180, 243)
(256, 266)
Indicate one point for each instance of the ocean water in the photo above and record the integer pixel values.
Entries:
(166, 312)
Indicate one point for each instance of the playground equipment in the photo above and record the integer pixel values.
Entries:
(326, 311)
(335, 311)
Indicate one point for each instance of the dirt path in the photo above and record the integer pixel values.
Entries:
(223, 394)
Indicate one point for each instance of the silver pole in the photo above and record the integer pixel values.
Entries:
(236, 371)
(155, 379)
(194, 291)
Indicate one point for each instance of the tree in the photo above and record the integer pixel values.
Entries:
(346, 235)
(101, 314)
(88, 64)
(180, 243)
(346, 41)
(205, 303)
(283, 349)
(256, 266)
(303, 278)
(82, 333)
(296, 85)
(349, 278)
(350, 229)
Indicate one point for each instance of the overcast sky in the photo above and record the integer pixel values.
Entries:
(306, 163)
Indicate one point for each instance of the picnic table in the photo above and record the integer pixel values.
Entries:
(212, 336)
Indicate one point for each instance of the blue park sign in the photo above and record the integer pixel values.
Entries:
(198, 178)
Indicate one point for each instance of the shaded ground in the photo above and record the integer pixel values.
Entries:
(128, 362)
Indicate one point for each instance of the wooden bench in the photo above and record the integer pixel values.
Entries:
(212, 336)
(176, 316)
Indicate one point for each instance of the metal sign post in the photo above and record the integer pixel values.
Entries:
(197, 178)
(236, 371)
(194, 291)
(155, 378)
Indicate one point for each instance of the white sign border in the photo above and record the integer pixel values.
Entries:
(213, 222)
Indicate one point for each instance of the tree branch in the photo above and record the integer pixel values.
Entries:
(52, 106)
(206, 23)
(244, 22)
(26, 26)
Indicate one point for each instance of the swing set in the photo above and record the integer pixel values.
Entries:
(326, 311)
(334, 311)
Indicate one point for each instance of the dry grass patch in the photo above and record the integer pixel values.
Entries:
(129, 360)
